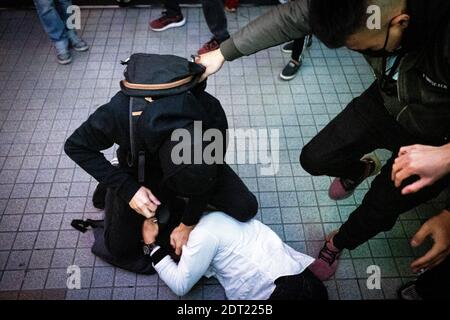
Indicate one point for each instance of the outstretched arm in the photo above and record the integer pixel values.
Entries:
(194, 262)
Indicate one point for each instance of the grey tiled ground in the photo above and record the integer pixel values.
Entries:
(41, 190)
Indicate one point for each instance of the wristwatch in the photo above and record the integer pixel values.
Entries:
(148, 248)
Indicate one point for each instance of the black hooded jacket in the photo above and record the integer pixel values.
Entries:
(109, 125)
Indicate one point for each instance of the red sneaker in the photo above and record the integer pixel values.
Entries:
(166, 22)
(341, 189)
(325, 266)
(231, 5)
(211, 45)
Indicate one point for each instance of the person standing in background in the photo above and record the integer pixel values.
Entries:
(296, 48)
(214, 13)
(54, 16)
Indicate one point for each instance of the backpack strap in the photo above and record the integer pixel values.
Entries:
(136, 156)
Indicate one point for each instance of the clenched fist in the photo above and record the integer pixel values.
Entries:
(145, 203)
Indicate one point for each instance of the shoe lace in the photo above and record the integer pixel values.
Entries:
(328, 255)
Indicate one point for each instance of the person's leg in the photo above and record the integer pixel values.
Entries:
(381, 208)
(337, 149)
(435, 283)
(63, 7)
(304, 286)
(216, 19)
(172, 8)
(53, 24)
(172, 17)
(291, 69)
(232, 196)
(297, 49)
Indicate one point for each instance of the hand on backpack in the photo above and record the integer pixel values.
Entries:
(212, 61)
(145, 203)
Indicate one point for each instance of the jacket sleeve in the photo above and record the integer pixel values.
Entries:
(281, 24)
(84, 147)
(194, 209)
(195, 260)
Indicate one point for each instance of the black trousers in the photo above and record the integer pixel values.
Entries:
(297, 48)
(123, 226)
(435, 283)
(362, 127)
(303, 286)
(214, 13)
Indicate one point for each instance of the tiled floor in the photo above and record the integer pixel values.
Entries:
(41, 190)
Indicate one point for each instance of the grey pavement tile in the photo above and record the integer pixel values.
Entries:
(40, 259)
(30, 222)
(62, 258)
(46, 240)
(100, 294)
(56, 279)
(103, 277)
(77, 294)
(348, 289)
(15, 206)
(35, 279)
(35, 205)
(10, 222)
(123, 293)
(18, 260)
(12, 280)
(67, 239)
(146, 293)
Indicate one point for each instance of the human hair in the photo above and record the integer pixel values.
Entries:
(333, 21)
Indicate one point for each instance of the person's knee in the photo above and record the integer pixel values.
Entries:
(311, 161)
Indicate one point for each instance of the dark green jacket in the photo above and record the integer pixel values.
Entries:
(421, 103)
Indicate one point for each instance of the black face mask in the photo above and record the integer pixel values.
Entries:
(382, 53)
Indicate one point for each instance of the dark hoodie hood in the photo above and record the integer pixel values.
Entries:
(429, 19)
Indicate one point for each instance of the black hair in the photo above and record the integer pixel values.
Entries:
(333, 21)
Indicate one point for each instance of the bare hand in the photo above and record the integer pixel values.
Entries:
(179, 237)
(212, 61)
(144, 203)
(429, 163)
(150, 231)
(438, 228)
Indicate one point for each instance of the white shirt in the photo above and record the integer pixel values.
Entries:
(246, 258)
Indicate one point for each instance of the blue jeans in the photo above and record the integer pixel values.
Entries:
(53, 15)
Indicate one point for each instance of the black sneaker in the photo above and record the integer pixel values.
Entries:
(290, 71)
(408, 292)
(287, 48)
(64, 58)
(80, 46)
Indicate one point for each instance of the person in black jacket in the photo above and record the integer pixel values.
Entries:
(201, 185)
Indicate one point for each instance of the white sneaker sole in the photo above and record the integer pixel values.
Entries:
(287, 78)
(172, 25)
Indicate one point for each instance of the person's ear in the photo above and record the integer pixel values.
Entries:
(401, 21)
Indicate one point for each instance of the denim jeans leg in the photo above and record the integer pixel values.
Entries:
(62, 6)
(216, 19)
(52, 24)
